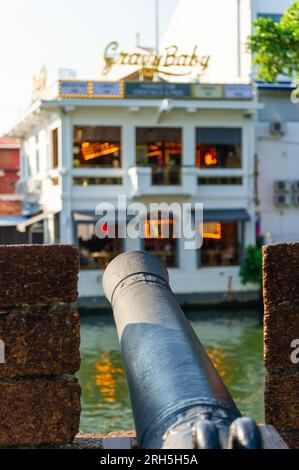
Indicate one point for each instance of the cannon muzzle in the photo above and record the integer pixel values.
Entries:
(178, 398)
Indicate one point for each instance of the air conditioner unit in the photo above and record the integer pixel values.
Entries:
(277, 128)
(295, 186)
(296, 199)
(282, 200)
(282, 186)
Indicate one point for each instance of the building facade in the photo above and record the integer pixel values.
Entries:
(195, 139)
(277, 148)
(79, 152)
(10, 202)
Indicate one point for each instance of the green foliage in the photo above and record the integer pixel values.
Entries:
(251, 271)
(276, 45)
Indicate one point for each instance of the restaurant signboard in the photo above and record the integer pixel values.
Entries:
(170, 62)
(157, 90)
(69, 89)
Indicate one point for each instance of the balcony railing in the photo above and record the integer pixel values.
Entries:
(166, 175)
(168, 180)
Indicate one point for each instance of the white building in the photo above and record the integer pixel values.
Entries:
(194, 141)
(277, 149)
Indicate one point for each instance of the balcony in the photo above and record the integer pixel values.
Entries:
(155, 181)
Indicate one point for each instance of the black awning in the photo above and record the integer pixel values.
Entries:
(82, 216)
(225, 215)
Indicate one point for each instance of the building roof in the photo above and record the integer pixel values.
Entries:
(9, 142)
(11, 220)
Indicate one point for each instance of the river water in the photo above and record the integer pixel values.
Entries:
(233, 339)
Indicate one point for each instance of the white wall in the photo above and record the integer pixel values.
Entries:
(278, 160)
(213, 26)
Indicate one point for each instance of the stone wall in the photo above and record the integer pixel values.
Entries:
(281, 301)
(39, 394)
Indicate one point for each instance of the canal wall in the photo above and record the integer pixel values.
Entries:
(281, 327)
(40, 345)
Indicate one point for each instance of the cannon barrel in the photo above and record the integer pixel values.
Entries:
(178, 398)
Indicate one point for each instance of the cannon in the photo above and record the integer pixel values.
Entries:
(178, 399)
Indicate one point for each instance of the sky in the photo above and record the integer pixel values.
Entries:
(65, 34)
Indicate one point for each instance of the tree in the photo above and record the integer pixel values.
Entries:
(251, 271)
(275, 46)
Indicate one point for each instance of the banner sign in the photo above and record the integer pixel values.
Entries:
(206, 91)
(157, 90)
(238, 92)
(107, 90)
(73, 89)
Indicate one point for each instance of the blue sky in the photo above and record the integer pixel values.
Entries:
(65, 34)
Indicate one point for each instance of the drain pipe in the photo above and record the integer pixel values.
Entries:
(178, 398)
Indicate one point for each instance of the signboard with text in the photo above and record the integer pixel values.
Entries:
(157, 90)
(152, 90)
(107, 90)
(73, 89)
(238, 92)
(206, 91)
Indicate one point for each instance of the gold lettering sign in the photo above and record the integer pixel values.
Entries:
(154, 62)
(91, 151)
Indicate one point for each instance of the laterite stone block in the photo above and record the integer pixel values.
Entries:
(291, 438)
(281, 328)
(35, 274)
(39, 411)
(41, 340)
(281, 275)
(282, 401)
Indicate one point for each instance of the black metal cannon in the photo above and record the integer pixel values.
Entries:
(178, 399)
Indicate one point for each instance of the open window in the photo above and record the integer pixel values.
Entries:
(161, 149)
(95, 252)
(160, 238)
(95, 146)
(218, 148)
(221, 244)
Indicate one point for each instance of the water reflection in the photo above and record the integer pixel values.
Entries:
(233, 341)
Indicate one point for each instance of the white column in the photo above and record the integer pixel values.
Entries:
(249, 155)
(66, 155)
(189, 143)
(189, 173)
(128, 153)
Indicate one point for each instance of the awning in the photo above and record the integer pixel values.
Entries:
(225, 215)
(81, 217)
(11, 220)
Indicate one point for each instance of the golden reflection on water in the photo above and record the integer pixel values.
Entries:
(218, 358)
(235, 348)
(107, 378)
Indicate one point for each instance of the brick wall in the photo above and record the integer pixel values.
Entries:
(10, 208)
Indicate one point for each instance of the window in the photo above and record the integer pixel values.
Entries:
(97, 147)
(161, 149)
(221, 244)
(218, 148)
(95, 253)
(160, 238)
(276, 17)
(54, 162)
